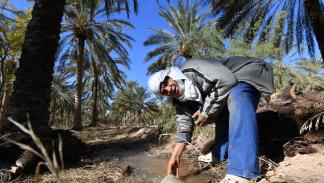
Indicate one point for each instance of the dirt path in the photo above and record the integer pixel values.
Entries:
(136, 155)
(123, 155)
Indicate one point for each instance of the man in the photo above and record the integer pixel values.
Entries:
(202, 89)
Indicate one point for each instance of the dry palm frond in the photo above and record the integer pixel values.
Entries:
(268, 163)
(313, 123)
(51, 163)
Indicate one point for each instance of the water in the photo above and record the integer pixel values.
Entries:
(149, 169)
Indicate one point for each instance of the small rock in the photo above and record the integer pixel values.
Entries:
(171, 179)
(128, 171)
(270, 173)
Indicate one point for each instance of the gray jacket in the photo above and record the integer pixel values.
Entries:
(215, 78)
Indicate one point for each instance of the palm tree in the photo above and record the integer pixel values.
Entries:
(87, 33)
(193, 36)
(304, 19)
(104, 75)
(31, 90)
(32, 95)
(313, 71)
(134, 101)
(61, 98)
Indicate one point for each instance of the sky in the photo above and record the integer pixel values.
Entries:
(147, 17)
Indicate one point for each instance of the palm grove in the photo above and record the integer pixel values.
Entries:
(85, 45)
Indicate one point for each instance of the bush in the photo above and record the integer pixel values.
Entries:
(166, 119)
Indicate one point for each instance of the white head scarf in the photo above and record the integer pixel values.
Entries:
(190, 91)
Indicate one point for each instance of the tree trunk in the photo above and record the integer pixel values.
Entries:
(61, 124)
(313, 10)
(52, 111)
(95, 95)
(79, 85)
(3, 57)
(32, 87)
(4, 105)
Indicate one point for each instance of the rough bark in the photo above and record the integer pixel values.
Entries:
(52, 121)
(78, 97)
(95, 95)
(31, 90)
(32, 87)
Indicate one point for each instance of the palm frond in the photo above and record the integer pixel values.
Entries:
(313, 123)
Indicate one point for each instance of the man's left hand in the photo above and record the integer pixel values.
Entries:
(199, 118)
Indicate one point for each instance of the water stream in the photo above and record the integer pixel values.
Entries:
(149, 169)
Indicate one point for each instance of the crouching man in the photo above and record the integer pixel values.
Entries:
(212, 89)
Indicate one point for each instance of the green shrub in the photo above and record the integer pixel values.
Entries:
(166, 119)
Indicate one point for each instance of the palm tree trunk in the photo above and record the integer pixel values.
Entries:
(52, 122)
(78, 97)
(95, 95)
(32, 87)
(61, 124)
(313, 10)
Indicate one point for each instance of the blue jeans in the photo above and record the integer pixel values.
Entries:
(236, 137)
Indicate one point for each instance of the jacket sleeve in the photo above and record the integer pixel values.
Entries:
(217, 82)
(185, 127)
(185, 123)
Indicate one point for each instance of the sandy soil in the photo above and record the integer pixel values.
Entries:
(303, 163)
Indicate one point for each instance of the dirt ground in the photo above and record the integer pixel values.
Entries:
(134, 154)
(303, 161)
(302, 168)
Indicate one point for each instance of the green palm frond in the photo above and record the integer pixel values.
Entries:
(297, 27)
(120, 5)
(61, 91)
(103, 35)
(135, 100)
(191, 36)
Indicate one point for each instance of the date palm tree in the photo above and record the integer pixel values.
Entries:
(90, 31)
(313, 71)
(304, 20)
(133, 102)
(193, 36)
(103, 76)
(61, 98)
(31, 89)
(34, 75)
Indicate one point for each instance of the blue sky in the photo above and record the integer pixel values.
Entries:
(147, 17)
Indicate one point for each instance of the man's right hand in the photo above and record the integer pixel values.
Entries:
(173, 166)
(174, 162)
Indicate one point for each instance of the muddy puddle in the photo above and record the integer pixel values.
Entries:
(149, 169)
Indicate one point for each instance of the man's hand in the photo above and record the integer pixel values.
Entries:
(173, 166)
(174, 162)
(199, 118)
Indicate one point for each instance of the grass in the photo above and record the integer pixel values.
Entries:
(51, 162)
